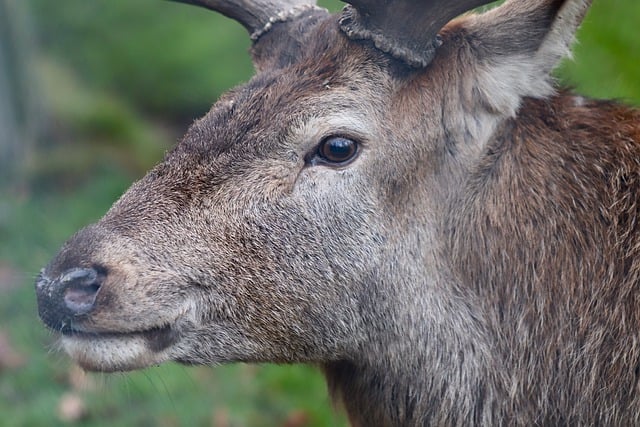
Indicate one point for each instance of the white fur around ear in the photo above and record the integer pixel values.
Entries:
(557, 43)
(518, 44)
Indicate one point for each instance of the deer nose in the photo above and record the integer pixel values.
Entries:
(80, 287)
(73, 293)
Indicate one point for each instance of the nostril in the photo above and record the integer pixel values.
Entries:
(80, 288)
(81, 300)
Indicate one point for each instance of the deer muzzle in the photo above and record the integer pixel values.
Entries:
(90, 305)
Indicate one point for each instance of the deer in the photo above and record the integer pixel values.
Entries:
(402, 196)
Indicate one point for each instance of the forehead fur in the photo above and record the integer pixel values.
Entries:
(332, 74)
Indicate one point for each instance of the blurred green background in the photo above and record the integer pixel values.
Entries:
(92, 93)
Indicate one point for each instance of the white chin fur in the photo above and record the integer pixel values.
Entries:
(108, 354)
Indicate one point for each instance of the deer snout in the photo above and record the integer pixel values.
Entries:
(70, 295)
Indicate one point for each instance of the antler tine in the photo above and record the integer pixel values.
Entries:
(405, 29)
(257, 16)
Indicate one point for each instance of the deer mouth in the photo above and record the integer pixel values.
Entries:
(158, 338)
(120, 351)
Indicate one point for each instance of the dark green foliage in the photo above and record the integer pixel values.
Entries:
(166, 58)
(607, 57)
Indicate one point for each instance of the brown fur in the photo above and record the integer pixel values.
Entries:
(554, 209)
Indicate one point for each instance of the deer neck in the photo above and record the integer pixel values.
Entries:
(439, 374)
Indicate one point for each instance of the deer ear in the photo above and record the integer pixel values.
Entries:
(517, 45)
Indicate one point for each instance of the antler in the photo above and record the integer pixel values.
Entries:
(257, 16)
(405, 29)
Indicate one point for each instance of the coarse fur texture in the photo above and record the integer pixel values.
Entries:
(476, 263)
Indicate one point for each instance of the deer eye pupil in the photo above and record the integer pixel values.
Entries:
(337, 149)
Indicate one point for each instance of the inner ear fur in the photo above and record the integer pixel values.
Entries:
(517, 45)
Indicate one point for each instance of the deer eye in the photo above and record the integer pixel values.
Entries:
(337, 150)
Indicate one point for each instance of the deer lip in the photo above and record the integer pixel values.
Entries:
(157, 338)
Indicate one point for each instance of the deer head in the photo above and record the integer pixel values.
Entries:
(304, 217)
